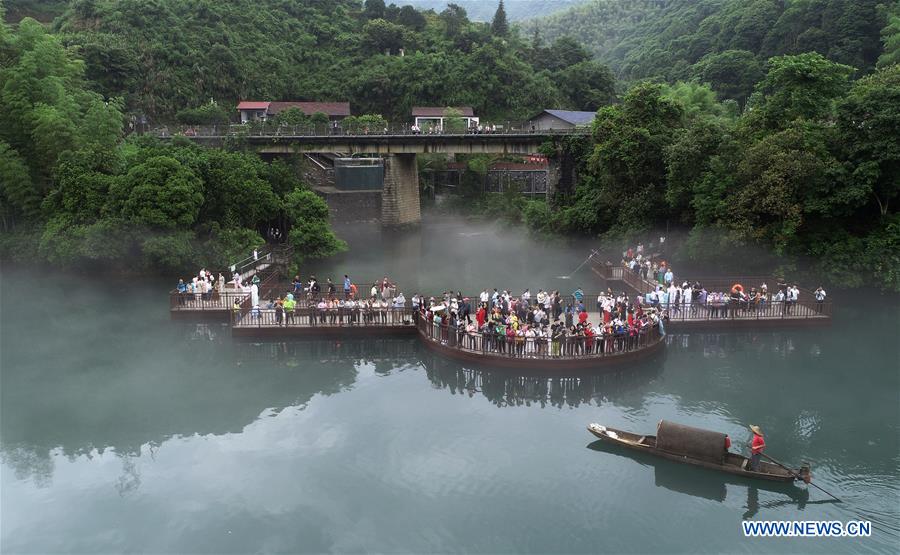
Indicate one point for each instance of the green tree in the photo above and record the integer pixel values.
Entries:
(732, 73)
(235, 192)
(291, 116)
(588, 85)
(455, 20)
(208, 114)
(499, 25)
(782, 181)
(383, 36)
(867, 123)
(453, 121)
(699, 101)
(374, 9)
(688, 159)
(890, 36)
(628, 159)
(412, 19)
(803, 86)
(17, 192)
(160, 193)
(309, 234)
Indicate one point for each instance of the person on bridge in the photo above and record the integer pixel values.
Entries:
(820, 299)
(346, 286)
(289, 305)
(481, 315)
(757, 446)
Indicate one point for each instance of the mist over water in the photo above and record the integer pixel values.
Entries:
(121, 430)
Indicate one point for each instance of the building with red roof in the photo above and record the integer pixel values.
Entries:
(251, 110)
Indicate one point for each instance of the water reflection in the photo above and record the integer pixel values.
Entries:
(205, 385)
(709, 484)
(723, 345)
(508, 388)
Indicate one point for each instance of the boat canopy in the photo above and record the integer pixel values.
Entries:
(692, 442)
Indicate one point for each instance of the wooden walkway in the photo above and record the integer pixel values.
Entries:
(249, 321)
(805, 312)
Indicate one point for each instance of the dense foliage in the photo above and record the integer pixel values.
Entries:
(722, 42)
(483, 10)
(74, 194)
(163, 56)
(762, 122)
(811, 168)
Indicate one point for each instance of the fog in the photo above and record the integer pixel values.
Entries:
(113, 415)
(454, 253)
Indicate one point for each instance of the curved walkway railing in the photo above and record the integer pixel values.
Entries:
(492, 346)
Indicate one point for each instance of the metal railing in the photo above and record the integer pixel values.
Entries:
(743, 310)
(806, 305)
(223, 298)
(314, 317)
(566, 347)
(391, 130)
(214, 300)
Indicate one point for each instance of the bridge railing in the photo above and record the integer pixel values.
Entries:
(392, 130)
(735, 310)
(212, 301)
(724, 284)
(314, 317)
(567, 347)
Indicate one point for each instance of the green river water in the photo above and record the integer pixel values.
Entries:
(123, 431)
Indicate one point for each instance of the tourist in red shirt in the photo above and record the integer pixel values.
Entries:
(756, 447)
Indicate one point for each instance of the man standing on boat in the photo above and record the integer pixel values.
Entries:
(757, 445)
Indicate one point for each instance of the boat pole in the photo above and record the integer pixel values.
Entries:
(593, 252)
(798, 477)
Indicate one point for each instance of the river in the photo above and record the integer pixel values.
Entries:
(123, 431)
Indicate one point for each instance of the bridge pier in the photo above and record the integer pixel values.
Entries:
(400, 194)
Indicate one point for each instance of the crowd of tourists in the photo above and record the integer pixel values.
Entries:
(316, 304)
(683, 298)
(204, 286)
(545, 325)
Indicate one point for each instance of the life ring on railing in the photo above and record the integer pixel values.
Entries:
(737, 288)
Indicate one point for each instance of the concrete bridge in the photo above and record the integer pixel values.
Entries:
(400, 193)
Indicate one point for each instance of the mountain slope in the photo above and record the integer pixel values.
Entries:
(664, 38)
(483, 10)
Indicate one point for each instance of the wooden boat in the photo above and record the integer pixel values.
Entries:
(696, 447)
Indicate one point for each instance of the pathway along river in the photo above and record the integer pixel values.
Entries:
(124, 431)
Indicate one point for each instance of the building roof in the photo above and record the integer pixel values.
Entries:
(438, 111)
(308, 108)
(252, 105)
(570, 116)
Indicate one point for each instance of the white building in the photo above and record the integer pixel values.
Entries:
(432, 117)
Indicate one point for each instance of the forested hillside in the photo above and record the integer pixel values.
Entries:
(165, 55)
(810, 170)
(769, 124)
(703, 39)
(74, 194)
(483, 10)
